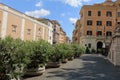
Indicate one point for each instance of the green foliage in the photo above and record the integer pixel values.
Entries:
(67, 51)
(12, 58)
(61, 51)
(56, 54)
(78, 50)
(17, 55)
(93, 51)
(39, 52)
(99, 50)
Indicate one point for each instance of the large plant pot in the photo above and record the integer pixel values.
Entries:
(71, 58)
(64, 60)
(35, 71)
(53, 64)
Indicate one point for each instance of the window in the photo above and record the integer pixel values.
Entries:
(14, 27)
(0, 23)
(28, 31)
(89, 45)
(108, 33)
(99, 23)
(99, 33)
(54, 29)
(89, 13)
(118, 22)
(118, 14)
(39, 31)
(89, 22)
(109, 23)
(109, 14)
(89, 33)
(99, 13)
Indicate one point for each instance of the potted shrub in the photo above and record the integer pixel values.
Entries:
(77, 50)
(99, 50)
(70, 53)
(38, 57)
(54, 57)
(67, 52)
(63, 51)
(12, 58)
(93, 51)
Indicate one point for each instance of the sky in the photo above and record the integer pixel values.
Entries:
(66, 12)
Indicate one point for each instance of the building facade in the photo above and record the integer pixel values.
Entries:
(97, 24)
(18, 25)
(68, 41)
(114, 51)
(62, 36)
(76, 33)
(56, 31)
(50, 26)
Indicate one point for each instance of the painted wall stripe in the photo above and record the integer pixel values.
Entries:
(22, 29)
(4, 24)
(34, 37)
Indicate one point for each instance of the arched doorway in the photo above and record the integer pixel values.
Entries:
(99, 47)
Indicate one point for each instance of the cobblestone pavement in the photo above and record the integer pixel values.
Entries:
(88, 67)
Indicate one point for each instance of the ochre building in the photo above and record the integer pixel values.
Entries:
(96, 25)
(19, 25)
(62, 36)
(76, 33)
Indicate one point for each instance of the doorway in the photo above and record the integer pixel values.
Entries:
(99, 47)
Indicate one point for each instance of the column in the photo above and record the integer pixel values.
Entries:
(34, 37)
(4, 24)
(22, 29)
(43, 32)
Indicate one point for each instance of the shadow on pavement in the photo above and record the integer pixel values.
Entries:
(95, 68)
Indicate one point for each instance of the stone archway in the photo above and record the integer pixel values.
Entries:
(99, 46)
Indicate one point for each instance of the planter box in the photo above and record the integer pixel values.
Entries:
(35, 71)
(64, 60)
(70, 59)
(53, 64)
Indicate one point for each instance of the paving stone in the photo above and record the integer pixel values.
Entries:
(88, 67)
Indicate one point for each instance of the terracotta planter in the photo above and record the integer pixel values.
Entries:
(35, 71)
(53, 64)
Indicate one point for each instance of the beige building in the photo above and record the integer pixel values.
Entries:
(56, 31)
(50, 26)
(97, 24)
(76, 33)
(62, 36)
(68, 41)
(18, 25)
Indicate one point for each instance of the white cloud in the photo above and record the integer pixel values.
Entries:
(86, 0)
(73, 20)
(39, 4)
(73, 3)
(38, 13)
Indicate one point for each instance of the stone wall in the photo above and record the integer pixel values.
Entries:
(114, 51)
